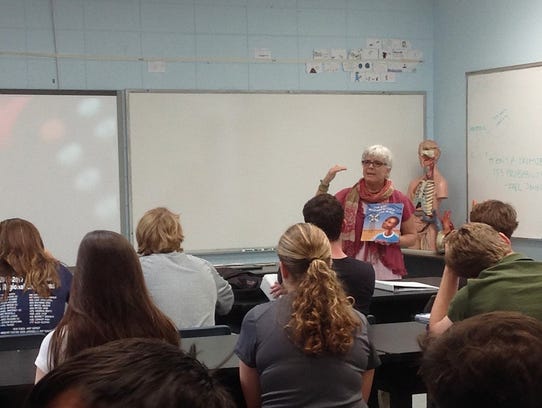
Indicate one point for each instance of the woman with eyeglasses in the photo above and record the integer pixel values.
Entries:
(374, 187)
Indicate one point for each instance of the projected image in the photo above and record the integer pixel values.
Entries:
(60, 166)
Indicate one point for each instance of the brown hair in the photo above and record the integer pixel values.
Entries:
(23, 255)
(322, 318)
(489, 360)
(474, 247)
(501, 216)
(159, 231)
(132, 372)
(109, 299)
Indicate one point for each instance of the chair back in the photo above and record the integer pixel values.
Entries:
(205, 331)
(21, 341)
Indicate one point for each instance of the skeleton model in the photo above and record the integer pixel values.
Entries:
(426, 194)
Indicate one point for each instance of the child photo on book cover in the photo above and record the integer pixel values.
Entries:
(382, 223)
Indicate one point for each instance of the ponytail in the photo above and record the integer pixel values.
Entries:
(322, 319)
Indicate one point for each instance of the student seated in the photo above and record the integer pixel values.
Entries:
(186, 288)
(498, 278)
(309, 348)
(491, 360)
(109, 301)
(358, 277)
(34, 286)
(501, 216)
(136, 373)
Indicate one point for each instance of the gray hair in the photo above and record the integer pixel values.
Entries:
(379, 152)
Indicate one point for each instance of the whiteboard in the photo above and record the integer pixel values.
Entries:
(504, 144)
(59, 162)
(239, 167)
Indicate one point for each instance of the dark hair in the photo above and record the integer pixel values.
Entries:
(109, 299)
(327, 213)
(136, 372)
(489, 360)
(396, 218)
(501, 216)
(23, 254)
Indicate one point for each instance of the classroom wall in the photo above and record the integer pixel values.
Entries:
(106, 44)
(470, 36)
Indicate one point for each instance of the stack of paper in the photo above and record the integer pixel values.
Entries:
(399, 286)
(268, 280)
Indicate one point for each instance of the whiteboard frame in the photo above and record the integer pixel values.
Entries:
(131, 221)
(468, 75)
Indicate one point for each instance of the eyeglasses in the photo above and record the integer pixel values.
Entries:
(375, 163)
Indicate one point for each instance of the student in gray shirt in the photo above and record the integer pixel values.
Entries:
(309, 348)
(187, 289)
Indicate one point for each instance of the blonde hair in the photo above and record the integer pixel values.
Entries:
(474, 247)
(159, 231)
(23, 255)
(322, 318)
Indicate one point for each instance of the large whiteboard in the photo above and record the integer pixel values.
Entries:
(59, 163)
(504, 141)
(238, 167)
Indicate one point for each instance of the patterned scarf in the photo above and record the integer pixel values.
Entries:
(354, 216)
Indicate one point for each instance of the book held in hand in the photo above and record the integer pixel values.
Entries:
(382, 222)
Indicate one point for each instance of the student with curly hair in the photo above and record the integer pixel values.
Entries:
(34, 286)
(310, 347)
(109, 301)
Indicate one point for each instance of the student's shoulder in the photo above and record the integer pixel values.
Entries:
(64, 272)
(263, 311)
(353, 263)
(203, 263)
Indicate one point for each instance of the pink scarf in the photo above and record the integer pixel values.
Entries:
(353, 225)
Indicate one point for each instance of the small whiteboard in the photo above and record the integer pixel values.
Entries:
(239, 167)
(504, 141)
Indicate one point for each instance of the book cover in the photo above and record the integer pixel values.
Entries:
(382, 222)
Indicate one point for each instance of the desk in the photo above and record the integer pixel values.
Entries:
(387, 307)
(214, 351)
(17, 370)
(395, 342)
(390, 307)
(17, 366)
(399, 353)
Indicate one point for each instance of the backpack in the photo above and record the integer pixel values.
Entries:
(245, 284)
